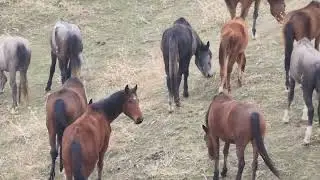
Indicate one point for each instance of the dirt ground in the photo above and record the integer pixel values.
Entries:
(164, 146)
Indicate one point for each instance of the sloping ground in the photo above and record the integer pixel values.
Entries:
(164, 146)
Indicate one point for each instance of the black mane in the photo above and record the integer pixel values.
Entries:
(111, 106)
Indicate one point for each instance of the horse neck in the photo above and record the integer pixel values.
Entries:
(199, 43)
(111, 106)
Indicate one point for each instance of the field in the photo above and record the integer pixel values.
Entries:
(164, 146)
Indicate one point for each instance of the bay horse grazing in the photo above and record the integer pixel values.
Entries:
(234, 41)
(277, 9)
(86, 140)
(15, 55)
(305, 70)
(298, 24)
(66, 45)
(235, 123)
(62, 108)
(179, 43)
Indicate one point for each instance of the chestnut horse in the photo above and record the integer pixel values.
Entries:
(235, 123)
(277, 9)
(298, 24)
(305, 70)
(179, 43)
(234, 41)
(66, 45)
(86, 140)
(15, 55)
(63, 107)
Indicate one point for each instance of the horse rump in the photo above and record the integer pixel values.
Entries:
(256, 134)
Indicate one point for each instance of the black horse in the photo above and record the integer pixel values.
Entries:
(66, 45)
(179, 43)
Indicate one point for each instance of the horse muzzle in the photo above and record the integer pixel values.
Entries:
(139, 120)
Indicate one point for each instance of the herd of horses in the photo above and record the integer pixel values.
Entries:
(79, 130)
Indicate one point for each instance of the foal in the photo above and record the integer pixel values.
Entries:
(66, 45)
(15, 55)
(179, 43)
(305, 70)
(235, 123)
(86, 140)
(277, 9)
(63, 107)
(300, 23)
(234, 41)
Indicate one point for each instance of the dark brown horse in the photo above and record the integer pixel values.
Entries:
(63, 107)
(234, 41)
(304, 70)
(277, 9)
(86, 140)
(66, 45)
(235, 123)
(179, 43)
(15, 55)
(298, 24)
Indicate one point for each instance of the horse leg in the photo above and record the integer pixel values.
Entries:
(225, 158)
(170, 95)
(255, 16)
(245, 9)
(232, 6)
(241, 66)
(230, 66)
(52, 69)
(185, 86)
(3, 79)
(13, 85)
(292, 85)
(215, 144)
(23, 86)
(63, 65)
(316, 42)
(100, 161)
(53, 153)
(176, 92)
(241, 163)
(307, 96)
(255, 160)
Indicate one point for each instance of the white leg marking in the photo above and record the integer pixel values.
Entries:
(285, 118)
(305, 113)
(254, 37)
(307, 137)
(220, 89)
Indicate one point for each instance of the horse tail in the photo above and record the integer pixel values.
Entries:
(288, 32)
(317, 79)
(75, 47)
(173, 65)
(24, 56)
(76, 158)
(255, 127)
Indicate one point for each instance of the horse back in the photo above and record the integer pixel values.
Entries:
(184, 37)
(230, 119)
(92, 131)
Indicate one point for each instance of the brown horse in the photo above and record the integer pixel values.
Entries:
(298, 24)
(66, 45)
(235, 123)
(277, 9)
(63, 107)
(15, 55)
(86, 140)
(234, 40)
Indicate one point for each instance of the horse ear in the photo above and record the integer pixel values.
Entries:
(90, 101)
(135, 88)
(208, 44)
(126, 89)
(205, 128)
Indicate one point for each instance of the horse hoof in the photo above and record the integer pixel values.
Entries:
(216, 175)
(285, 118)
(14, 111)
(220, 89)
(47, 89)
(185, 94)
(224, 172)
(170, 109)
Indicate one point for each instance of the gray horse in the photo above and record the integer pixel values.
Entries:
(66, 45)
(15, 55)
(305, 70)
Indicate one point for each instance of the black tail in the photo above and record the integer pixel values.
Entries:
(288, 33)
(23, 55)
(255, 127)
(76, 157)
(75, 47)
(173, 65)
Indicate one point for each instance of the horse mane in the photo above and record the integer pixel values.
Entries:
(110, 106)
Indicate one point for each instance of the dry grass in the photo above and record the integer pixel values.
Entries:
(164, 146)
